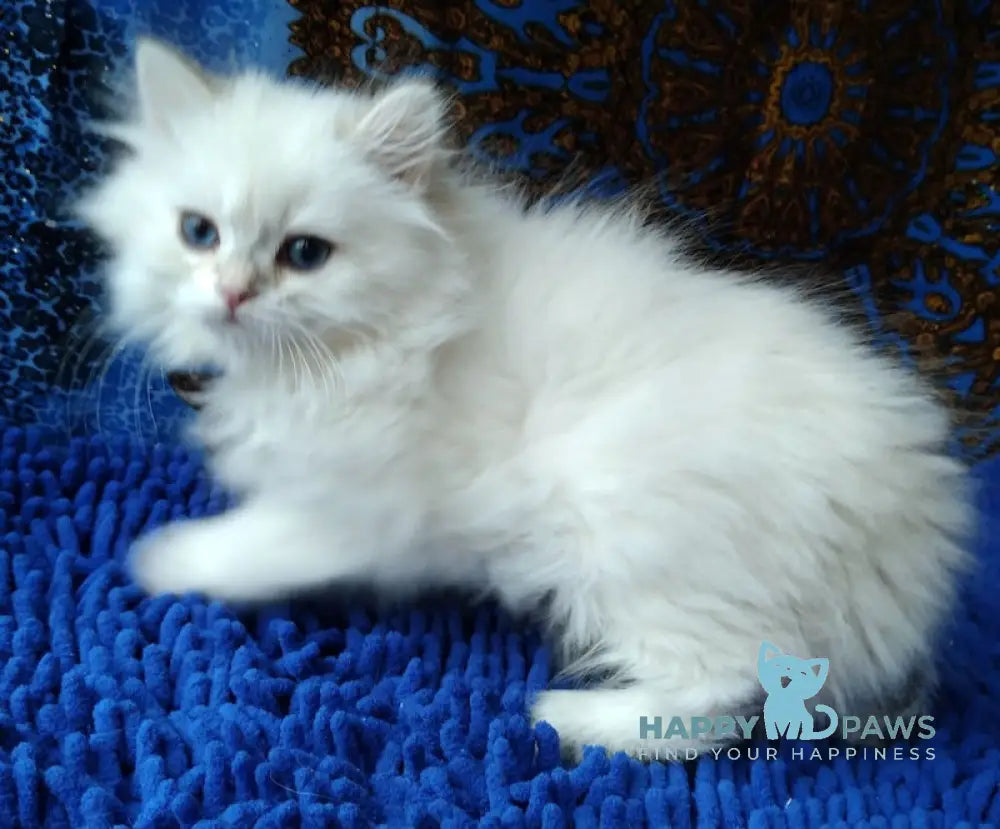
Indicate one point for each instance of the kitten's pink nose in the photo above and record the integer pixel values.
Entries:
(234, 299)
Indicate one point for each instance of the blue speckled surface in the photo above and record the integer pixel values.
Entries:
(60, 59)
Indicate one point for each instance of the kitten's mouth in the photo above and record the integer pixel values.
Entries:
(786, 681)
(189, 386)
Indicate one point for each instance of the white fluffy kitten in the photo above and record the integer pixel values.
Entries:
(426, 383)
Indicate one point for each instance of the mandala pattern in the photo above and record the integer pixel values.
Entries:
(809, 129)
(940, 277)
(796, 133)
(534, 79)
(863, 136)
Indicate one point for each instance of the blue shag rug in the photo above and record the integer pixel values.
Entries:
(121, 710)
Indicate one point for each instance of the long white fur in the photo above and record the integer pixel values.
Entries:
(552, 405)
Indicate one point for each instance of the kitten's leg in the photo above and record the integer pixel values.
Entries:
(256, 551)
(636, 719)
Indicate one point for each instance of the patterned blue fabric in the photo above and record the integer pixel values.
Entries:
(61, 59)
(119, 710)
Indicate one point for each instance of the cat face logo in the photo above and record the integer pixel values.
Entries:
(789, 682)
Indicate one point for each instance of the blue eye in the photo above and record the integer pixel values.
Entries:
(304, 253)
(198, 232)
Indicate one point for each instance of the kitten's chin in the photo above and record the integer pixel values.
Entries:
(192, 347)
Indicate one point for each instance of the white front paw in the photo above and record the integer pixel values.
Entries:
(179, 558)
(560, 709)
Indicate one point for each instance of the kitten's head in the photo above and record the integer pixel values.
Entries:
(250, 218)
(778, 671)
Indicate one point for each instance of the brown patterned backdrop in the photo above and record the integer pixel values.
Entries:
(859, 136)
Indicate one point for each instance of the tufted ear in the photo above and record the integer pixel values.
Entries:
(168, 84)
(404, 128)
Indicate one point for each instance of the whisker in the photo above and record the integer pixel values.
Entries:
(118, 347)
(273, 356)
(324, 358)
(135, 422)
(327, 363)
(281, 353)
(77, 416)
(311, 362)
(309, 357)
(91, 332)
(143, 382)
(149, 401)
(116, 351)
(302, 362)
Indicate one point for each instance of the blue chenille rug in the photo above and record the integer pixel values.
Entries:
(121, 710)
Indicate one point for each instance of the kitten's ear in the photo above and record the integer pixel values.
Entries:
(168, 84)
(404, 129)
